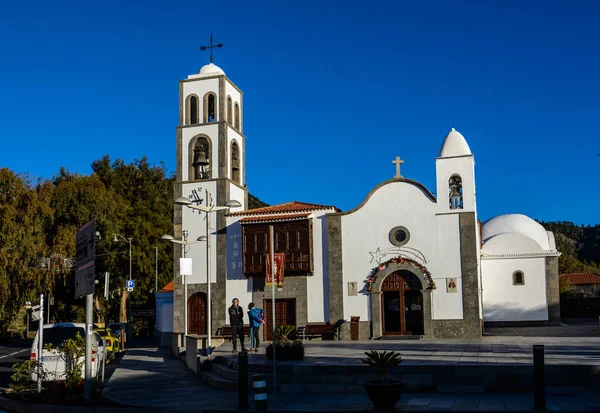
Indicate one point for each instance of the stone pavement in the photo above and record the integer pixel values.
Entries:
(488, 350)
(151, 377)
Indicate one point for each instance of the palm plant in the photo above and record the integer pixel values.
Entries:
(285, 331)
(382, 361)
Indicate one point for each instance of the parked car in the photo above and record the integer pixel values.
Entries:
(53, 361)
(111, 341)
(119, 328)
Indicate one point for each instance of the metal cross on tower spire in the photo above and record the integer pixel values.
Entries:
(210, 47)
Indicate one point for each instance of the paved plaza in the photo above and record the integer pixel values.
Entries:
(488, 350)
(152, 377)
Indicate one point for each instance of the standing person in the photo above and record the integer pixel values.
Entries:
(256, 317)
(236, 320)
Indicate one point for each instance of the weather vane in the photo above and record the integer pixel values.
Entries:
(210, 47)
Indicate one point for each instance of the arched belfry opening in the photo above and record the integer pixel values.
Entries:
(210, 104)
(455, 192)
(235, 163)
(229, 110)
(200, 159)
(236, 116)
(192, 110)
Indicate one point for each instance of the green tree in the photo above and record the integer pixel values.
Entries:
(25, 214)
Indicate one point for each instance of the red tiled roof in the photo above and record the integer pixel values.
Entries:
(170, 287)
(289, 207)
(288, 217)
(582, 278)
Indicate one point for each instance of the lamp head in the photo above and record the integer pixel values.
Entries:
(202, 238)
(115, 239)
(167, 237)
(233, 204)
(182, 201)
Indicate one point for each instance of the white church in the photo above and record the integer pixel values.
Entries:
(403, 262)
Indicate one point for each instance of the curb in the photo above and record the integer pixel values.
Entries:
(18, 406)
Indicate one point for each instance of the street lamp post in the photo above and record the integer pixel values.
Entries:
(127, 240)
(207, 210)
(184, 243)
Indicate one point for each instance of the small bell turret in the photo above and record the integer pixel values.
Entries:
(455, 195)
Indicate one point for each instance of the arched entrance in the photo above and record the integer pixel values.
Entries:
(197, 314)
(402, 304)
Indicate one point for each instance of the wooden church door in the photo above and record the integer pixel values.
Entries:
(285, 314)
(197, 314)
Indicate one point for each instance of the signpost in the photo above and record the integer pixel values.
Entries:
(84, 286)
(130, 285)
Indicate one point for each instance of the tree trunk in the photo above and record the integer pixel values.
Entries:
(123, 309)
(98, 313)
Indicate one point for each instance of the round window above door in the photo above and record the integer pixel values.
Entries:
(399, 236)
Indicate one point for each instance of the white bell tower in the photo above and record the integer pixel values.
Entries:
(211, 170)
(455, 175)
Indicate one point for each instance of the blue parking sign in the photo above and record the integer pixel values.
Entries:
(130, 283)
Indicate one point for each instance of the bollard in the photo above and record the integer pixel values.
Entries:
(260, 393)
(243, 381)
(539, 390)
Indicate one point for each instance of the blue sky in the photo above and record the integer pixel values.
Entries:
(333, 92)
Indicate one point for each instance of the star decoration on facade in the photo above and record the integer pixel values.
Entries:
(377, 256)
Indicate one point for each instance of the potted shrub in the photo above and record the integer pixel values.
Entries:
(383, 391)
(286, 349)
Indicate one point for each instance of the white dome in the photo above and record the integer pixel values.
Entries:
(515, 224)
(511, 243)
(211, 69)
(454, 145)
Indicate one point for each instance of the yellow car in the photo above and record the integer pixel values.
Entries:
(111, 342)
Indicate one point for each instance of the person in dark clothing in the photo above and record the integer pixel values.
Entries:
(236, 320)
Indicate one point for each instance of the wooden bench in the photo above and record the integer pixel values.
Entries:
(226, 332)
(325, 331)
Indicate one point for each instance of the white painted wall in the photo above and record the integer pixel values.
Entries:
(187, 135)
(435, 236)
(503, 301)
(194, 223)
(317, 300)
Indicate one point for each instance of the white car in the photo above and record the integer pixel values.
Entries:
(52, 360)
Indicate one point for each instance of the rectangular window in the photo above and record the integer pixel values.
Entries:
(291, 238)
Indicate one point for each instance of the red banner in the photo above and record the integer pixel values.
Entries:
(279, 268)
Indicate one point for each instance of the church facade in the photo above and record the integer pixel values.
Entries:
(403, 262)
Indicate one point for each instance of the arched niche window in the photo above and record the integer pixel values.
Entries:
(237, 116)
(210, 104)
(229, 110)
(518, 278)
(200, 159)
(455, 192)
(235, 162)
(192, 110)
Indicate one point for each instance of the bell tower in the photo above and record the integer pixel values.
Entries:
(211, 170)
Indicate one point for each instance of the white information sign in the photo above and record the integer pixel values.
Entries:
(185, 267)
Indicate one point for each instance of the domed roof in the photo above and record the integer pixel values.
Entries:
(516, 224)
(211, 69)
(454, 145)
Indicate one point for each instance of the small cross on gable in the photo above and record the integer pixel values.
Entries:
(398, 162)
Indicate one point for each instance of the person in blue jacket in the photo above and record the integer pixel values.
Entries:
(256, 316)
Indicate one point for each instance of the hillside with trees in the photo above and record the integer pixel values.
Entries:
(579, 245)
